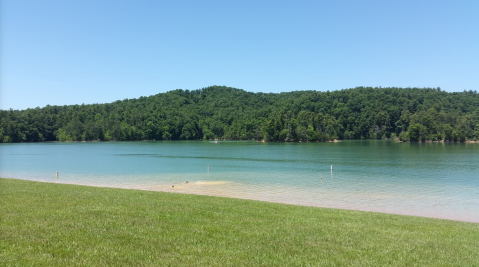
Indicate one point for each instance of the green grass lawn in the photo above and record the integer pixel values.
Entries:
(45, 224)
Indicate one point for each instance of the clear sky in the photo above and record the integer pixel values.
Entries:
(98, 51)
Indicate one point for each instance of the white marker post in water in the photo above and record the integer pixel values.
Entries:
(331, 167)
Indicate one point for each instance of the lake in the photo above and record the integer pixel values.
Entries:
(439, 180)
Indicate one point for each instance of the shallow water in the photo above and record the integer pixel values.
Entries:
(438, 180)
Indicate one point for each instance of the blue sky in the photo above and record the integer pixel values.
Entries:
(91, 51)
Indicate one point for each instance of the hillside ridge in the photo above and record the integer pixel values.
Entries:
(409, 114)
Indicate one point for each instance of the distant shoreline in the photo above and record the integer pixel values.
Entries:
(260, 141)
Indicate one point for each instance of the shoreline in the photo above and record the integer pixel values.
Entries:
(50, 224)
(178, 189)
(257, 141)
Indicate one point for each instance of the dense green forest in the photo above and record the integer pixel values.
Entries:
(415, 114)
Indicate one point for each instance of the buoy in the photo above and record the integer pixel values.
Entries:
(57, 175)
(331, 167)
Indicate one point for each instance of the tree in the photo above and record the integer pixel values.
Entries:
(416, 132)
(224, 112)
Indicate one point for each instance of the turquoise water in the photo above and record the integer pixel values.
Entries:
(438, 180)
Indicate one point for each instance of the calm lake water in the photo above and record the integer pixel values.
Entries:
(424, 179)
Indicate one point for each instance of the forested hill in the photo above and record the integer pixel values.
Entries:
(228, 113)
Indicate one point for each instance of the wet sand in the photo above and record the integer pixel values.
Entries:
(369, 202)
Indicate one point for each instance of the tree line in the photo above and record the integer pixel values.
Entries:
(410, 114)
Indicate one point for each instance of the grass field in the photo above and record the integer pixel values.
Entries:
(45, 224)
